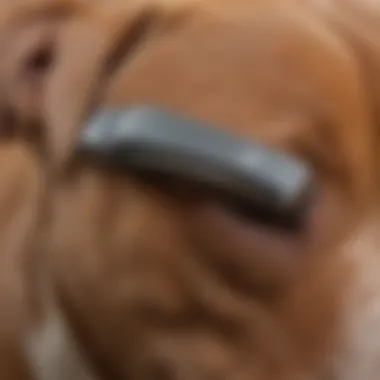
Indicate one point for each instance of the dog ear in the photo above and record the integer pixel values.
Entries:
(28, 35)
(356, 23)
(56, 55)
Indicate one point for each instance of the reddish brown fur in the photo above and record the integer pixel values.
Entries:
(164, 282)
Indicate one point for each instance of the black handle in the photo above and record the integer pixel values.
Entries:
(164, 142)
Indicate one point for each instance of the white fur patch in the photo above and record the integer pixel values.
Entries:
(358, 343)
(54, 354)
(51, 348)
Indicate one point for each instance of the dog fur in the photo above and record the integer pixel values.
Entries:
(114, 277)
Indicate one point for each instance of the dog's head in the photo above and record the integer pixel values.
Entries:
(160, 275)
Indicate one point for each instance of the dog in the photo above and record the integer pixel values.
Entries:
(111, 276)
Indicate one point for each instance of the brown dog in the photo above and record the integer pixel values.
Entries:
(107, 276)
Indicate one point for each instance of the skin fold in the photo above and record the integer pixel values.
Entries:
(105, 275)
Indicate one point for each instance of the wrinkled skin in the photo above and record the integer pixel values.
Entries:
(160, 280)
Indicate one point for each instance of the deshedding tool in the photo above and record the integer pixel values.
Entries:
(163, 142)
